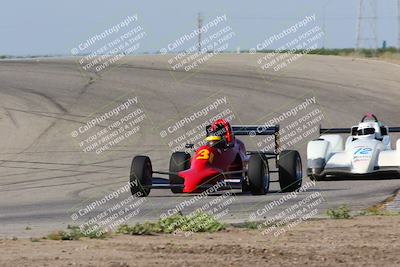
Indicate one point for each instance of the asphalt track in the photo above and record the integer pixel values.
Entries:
(45, 176)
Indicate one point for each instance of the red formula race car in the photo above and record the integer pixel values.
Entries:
(223, 161)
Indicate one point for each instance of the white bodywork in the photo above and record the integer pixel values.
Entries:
(360, 154)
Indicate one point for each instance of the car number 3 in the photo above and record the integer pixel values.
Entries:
(205, 154)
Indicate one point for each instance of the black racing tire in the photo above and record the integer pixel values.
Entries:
(179, 161)
(290, 170)
(316, 178)
(245, 186)
(141, 176)
(258, 175)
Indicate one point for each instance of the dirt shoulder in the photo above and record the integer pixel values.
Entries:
(361, 241)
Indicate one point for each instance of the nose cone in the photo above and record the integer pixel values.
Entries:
(195, 178)
(202, 170)
(362, 161)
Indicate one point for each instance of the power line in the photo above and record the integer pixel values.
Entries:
(367, 29)
(398, 25)
(298, 18)
(199, 25)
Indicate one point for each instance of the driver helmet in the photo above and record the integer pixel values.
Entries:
(366, 130)
(220, 134)
(370, 127)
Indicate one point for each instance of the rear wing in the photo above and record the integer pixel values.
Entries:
(334, 130)
(349, 130)
(253, 130)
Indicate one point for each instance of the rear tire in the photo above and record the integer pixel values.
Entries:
(245, 186)
(258, 175)
(141, 176)
(316, 178)
(290, 170)
(179, 161)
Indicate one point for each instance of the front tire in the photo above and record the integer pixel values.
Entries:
(315, 174)
(179, 161)
(141, 176)
(314, 177)
(290, 170)
(258, 175)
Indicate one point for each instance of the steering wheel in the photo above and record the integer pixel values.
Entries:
(368, 116)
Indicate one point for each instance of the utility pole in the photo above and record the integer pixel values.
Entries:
(367, 29)
(398, 25)
(324, 22)
(199, 25)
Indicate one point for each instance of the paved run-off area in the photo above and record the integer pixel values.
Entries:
(45, 176)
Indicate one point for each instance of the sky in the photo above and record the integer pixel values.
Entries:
(49, 27)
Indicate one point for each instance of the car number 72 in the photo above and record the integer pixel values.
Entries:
(363, 151)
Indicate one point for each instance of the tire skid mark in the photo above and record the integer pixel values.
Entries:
(45, 96)
(48, 114)
(76, 194)
(40, 170)
(62, 109)
(8, 113)
(53, 178)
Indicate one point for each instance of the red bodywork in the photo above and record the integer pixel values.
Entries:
(209, 162)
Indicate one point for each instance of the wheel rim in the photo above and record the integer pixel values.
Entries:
(148, 173)
(299, 171)
(266, 178)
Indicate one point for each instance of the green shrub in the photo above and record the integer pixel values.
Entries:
(198, 222)
(342, 212)
(75, 233)
(249, 225)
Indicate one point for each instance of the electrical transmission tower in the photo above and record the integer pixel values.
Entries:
(199, 25)
(398, 25)
(367, 25)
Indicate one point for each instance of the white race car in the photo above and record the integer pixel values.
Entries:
(366, 153)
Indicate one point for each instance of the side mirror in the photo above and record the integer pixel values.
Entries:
(189, 146)
(208, 130)
(354, 130)
(384, 131)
